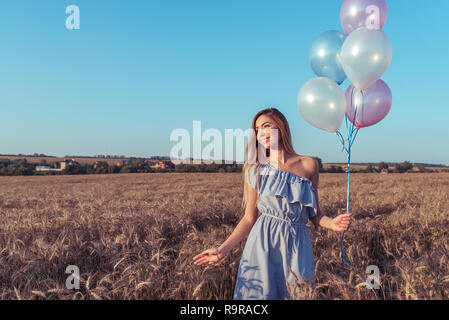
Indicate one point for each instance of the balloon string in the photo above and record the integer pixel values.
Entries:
(342, 140)
(352, 135)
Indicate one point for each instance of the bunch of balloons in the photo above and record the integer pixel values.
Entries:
(362, 54)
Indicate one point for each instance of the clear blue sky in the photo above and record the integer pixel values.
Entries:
(136, 70)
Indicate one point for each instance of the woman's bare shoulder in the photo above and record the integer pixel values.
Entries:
(305, 166)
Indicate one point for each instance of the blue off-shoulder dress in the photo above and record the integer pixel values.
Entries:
(279, 239)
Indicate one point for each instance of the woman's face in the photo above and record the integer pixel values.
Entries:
(263, 126)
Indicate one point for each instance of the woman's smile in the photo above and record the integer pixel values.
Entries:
(266, 141)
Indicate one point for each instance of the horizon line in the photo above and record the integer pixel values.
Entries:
(191, 159)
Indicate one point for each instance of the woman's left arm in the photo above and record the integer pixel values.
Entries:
(339, 223)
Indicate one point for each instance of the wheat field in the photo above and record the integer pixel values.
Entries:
(133, 236)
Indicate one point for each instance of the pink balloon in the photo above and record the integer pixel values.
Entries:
(372, 105)
(371, 14)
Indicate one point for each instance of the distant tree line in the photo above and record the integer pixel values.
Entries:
(405, 166)
(102, 156)
(103, 167)
(42, 155)
(213, 167)
(21, 167)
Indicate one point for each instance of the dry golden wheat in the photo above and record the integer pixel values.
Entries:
(133, 236)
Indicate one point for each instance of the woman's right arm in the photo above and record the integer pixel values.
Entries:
(244, 226)
(240, 232)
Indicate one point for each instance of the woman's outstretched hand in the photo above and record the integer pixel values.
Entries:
(209, 256)
(341, 222)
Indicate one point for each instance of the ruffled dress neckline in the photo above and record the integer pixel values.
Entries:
(287, 174)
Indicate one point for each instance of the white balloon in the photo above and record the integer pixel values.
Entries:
(365, 56)
(322, 103)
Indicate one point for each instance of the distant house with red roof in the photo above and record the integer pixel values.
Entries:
(160, 165)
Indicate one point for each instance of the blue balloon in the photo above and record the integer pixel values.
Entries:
(324, 56)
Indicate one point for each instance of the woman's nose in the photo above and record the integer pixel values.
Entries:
(264, 133)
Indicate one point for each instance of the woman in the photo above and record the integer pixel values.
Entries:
(283, 187)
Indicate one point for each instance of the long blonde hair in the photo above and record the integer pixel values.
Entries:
(285, 140)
